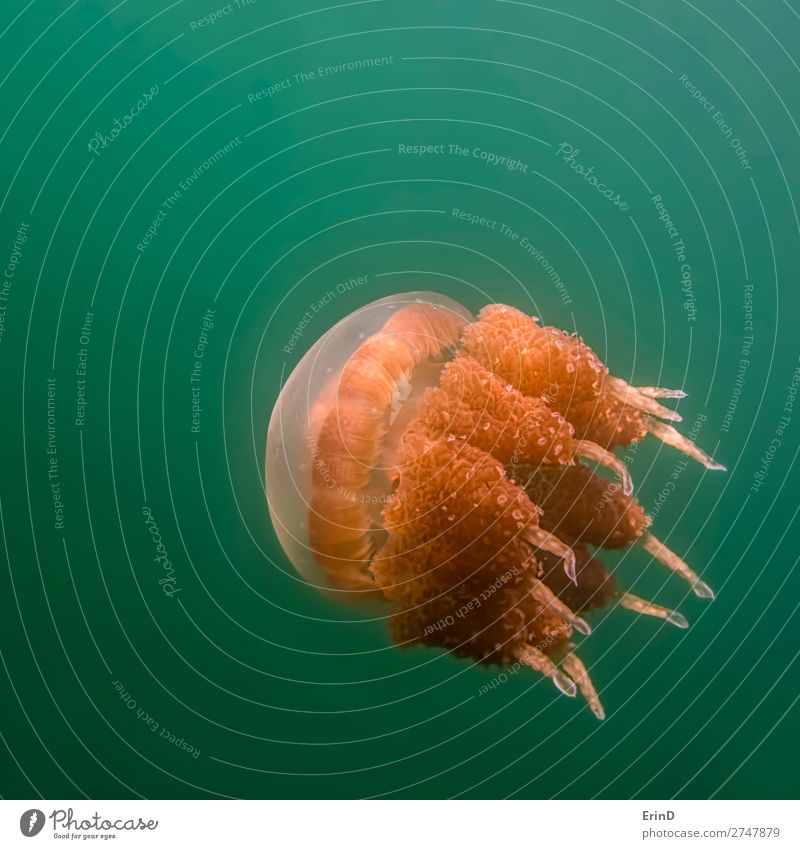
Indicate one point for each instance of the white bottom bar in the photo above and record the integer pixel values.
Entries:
(400, 824)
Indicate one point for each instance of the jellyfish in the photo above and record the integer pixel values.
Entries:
(461, 470)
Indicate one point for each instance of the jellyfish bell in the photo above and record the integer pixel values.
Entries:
(458, 468)
(332, 430)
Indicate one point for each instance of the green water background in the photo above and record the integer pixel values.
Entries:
(284, 693)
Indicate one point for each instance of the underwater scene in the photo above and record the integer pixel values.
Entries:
(400, 400)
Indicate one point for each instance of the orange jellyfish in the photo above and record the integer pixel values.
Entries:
(462, 470)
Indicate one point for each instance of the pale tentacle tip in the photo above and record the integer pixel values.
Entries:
(677, 619)
(598, 710)
(551, 543)
(627, 483)
(581, 626)
(659, 392)
(702, 590)
(564, 683)
(592, 451)
(570, 567)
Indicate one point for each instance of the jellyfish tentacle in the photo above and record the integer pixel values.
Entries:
(540, 538)
(577, 672)
(669, 436)
(607, 421)
(671, 560)
(539, 661)
(648, 608)
(585, 507)
(630, 395)
(659, 392)
(592, 451)
(543, 594)
(475, 404)
(536, 360)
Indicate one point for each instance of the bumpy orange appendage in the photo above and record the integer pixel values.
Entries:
(456, 561)
(539, 361)
(581, 506)
(474, 404)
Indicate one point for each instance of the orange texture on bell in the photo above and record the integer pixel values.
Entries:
(348, 445)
